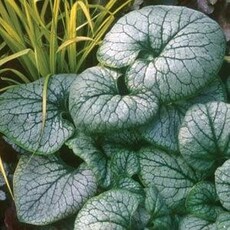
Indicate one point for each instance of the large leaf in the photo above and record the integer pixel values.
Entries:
(222, 180)
(22, 118)
(174, 50)
(110, 210)
(170, 174)
(47, 190)
(99, 102)
(204, 135)
(202, 201)
(195, 223)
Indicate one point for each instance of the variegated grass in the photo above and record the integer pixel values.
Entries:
(51, 36)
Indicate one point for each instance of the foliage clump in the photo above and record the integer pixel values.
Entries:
(149, 127)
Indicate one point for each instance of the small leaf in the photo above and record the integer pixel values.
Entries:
(85, 148)
(222, 181)
(110, 210)
(126, 137)
(125, 162)
(98, 105)
(223, 221)
(158, 210)
(128, 184)
(163, 130)
(202, 201)
(195, 223)
(170, 174)
(22, 116)
(47, 190)
(204, 135)
(140, 219)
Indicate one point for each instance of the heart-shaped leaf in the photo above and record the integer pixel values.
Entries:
(204, 135)
(170, 174)
(110, 210)
(223, 221)
(158, 210)
(202, 201)
(98, 103)
(125, 162)
(47, 190)
(22, 118)
(195, 223)
(173, 51)
(222, 180)
(129, 184)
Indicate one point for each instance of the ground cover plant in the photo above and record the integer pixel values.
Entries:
(149, 127)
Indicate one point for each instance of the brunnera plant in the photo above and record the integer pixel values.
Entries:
(150, 127)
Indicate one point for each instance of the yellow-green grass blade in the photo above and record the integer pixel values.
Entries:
(5, 27)
(16, 73)
(227, 58)
(15, 15)
(44, 9)
(44, 104)
(73, 40)
(41, 57)
(89, 47)
(6, 88)
(2, 170)
(86, 11)
(53, 37)
(71, 33)
(10, 80)
(14, 56)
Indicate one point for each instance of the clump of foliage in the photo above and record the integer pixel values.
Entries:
(149, 126)
(50, 37)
